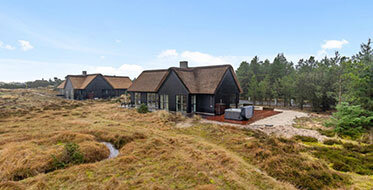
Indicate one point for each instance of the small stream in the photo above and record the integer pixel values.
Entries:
(113, 151)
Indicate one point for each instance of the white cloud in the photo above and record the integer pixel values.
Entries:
(329, 45)
(102, 57)
(334, 44)
(124, 70)
(25, 45)
(6, 46)
(203, 58)
(196, 58)
(168, 53)
(118, 41)
(9, 47)
(321, 54)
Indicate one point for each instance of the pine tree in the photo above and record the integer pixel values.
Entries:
(253, 89)
(243, 76)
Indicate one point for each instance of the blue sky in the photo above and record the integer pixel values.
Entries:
(43, 39)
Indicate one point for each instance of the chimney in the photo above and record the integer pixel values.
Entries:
(84, 73)
(183, 64)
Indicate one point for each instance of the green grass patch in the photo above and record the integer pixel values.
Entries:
(351, 159)
(328, 133)
(305, 138)
(71, 156)
(332, 142)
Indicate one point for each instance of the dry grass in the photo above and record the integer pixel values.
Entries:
(19, 102)
(279, 158)
(153, 154)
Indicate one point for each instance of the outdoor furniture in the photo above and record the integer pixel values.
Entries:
(240, 114)
(247, 112)
(233, 114)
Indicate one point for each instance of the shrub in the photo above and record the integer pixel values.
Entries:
(332, 142)
(346, 159)
(281, 159)
(143, 109)
(328, 133)
(351, 121)
(71, 156)
(306, 138)
(357, 148)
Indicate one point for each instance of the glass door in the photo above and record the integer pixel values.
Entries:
(181, 103)
(194, 103)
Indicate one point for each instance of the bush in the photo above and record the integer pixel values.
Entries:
(281, 159)
(347, 159)
(305, 138)
(71, 156)
(351, 121)
(332, 142)
(328, 133)
(143, 109)
(357, 148)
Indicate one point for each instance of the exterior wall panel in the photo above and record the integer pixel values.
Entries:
(98, 86)
(69, 90)
(173, 86)
(227, 91)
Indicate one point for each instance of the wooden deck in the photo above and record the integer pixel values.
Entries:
(258, 115)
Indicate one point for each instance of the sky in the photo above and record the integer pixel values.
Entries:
(46, 39)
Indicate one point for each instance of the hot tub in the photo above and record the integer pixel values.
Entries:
(240, 114)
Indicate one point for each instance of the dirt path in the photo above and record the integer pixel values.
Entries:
(279, 125)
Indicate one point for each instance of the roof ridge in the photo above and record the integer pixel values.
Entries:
(115, 76)
(208, 66)
(154, 70)
(84, 75)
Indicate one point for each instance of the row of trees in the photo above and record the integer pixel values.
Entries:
(32, 84)
(321, 83)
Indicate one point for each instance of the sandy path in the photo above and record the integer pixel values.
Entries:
(279, 125)
(285, 118)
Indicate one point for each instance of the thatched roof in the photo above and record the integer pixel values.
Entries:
(198, 80)
(149, 81)
(118, 82)
(62, 85)
(204, 80)
(82, 81)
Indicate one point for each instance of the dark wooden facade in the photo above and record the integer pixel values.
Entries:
(173, 86)
(82, 87)
(181, 99)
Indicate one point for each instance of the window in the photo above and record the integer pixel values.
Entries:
(152, 100)
(194, 103)
(105, 92)
(181, 103)
(164, 102)
(137, 98)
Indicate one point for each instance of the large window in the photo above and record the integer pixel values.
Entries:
(152, 100)
(181, 103)
(164, 101)
(194, 103)
(137, 98)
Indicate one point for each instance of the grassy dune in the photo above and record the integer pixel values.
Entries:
(154, 152)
